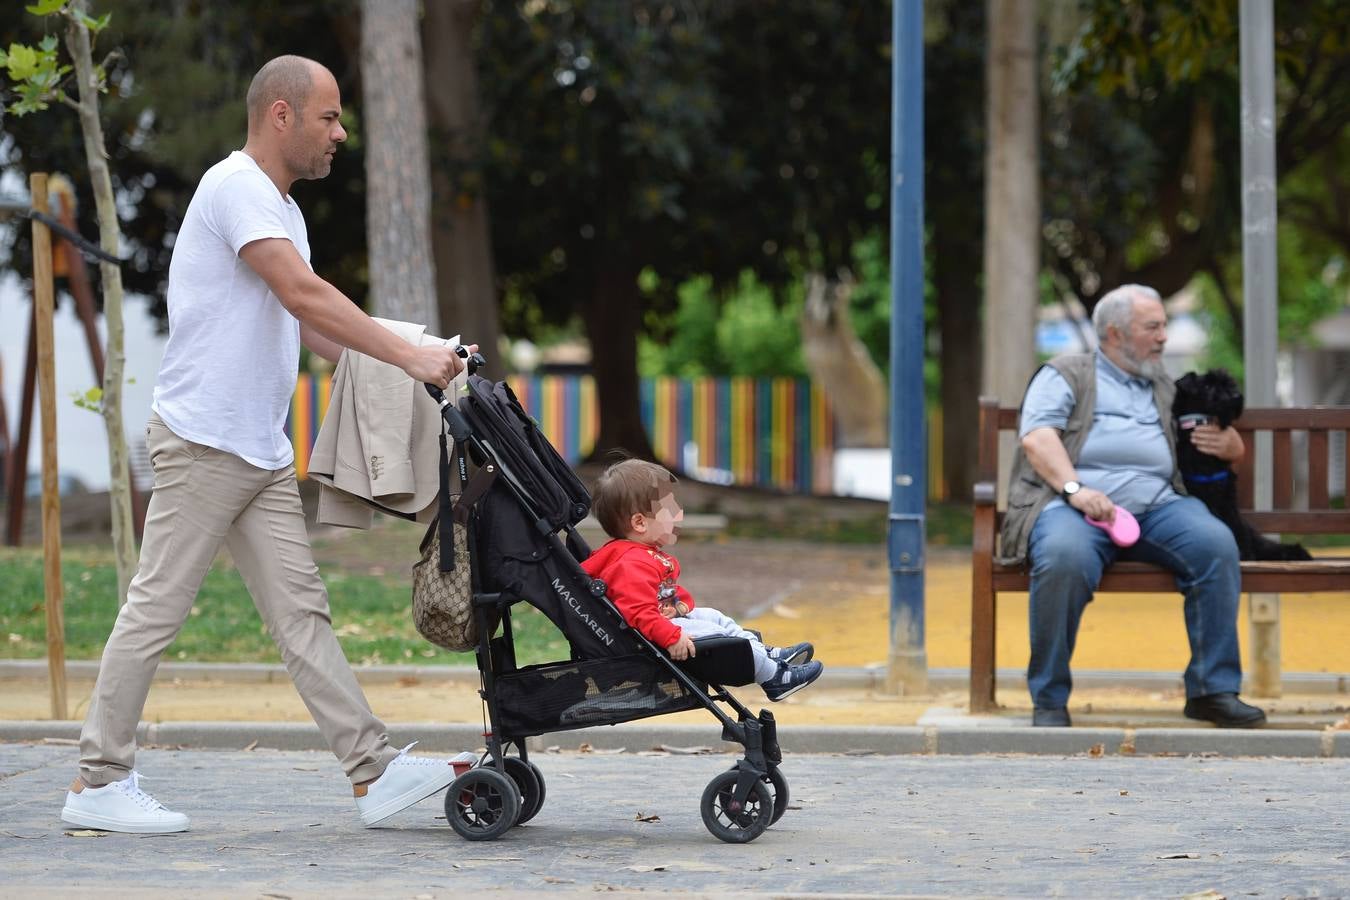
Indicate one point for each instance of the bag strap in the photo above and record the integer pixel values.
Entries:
(445, 523)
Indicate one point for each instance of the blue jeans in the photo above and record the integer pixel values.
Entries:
(1067, 559)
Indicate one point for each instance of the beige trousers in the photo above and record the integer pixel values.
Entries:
(204, 497)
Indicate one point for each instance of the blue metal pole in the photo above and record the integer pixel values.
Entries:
(908, 661)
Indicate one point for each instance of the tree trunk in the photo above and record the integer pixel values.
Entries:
(1012, 235)
(841, 366)
(119, 473)
(958, 303)
(613, 318)
(460, 237)
(398, 185)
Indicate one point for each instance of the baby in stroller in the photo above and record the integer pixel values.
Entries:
(634, 501)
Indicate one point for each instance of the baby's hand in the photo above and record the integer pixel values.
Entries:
(681, 608)
(667, 609)
(683, 648)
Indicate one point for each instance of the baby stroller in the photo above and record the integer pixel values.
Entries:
(521, 506)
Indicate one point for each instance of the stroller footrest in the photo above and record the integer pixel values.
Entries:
(721, 660)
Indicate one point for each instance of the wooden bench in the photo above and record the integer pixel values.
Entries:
(1292, 513)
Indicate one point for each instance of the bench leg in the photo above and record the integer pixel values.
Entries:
(1263, 613)
(983, 616)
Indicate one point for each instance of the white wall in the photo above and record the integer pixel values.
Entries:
(82, 445)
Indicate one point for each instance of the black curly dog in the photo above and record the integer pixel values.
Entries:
(1215, 395)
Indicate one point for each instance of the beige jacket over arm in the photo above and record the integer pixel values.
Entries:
(377, 447)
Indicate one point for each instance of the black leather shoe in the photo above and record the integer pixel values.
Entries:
(1224, 710)
(1050, 718)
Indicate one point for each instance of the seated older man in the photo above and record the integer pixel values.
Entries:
(1096, 434)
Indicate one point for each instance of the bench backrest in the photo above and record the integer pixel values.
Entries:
(1301, 450)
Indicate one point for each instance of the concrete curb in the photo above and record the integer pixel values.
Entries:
(845, 739)
(863, 678)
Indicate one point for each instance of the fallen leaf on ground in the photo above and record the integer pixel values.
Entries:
(549, 879)
(408, 681)
(683, 750)
(1180, 856)
(86, 832)
(1097, 750)
(644, 868)
(641, 818)
(251, 745)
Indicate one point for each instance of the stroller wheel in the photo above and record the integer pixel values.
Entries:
(780, 793)
(779, 787)
(530, 783)
(482, 804)
(734, 822)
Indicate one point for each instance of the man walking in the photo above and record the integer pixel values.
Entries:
(242, 298)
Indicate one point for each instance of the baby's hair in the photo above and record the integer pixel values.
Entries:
(628, 487)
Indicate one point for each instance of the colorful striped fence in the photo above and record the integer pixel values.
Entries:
(770, 432)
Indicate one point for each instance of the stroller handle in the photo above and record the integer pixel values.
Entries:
(459, 429)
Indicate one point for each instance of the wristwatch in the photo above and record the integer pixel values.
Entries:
(1070, 488)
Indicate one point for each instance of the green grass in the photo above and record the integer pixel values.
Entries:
(370, 615)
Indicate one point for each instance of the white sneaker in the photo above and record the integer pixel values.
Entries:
(406, 780)
(120, 806)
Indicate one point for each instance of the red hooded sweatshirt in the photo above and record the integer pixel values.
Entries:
(639, 577)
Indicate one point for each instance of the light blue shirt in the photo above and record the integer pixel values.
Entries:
(1125, 455)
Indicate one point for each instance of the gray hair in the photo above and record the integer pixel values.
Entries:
(1116, 308)
(288, 78)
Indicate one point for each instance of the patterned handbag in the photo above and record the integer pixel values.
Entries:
(442, 586)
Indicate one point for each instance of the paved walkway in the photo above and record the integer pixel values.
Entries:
(282, 824)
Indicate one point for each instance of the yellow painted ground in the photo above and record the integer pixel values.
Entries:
(1138, 632)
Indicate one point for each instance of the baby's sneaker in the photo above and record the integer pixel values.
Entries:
(791, 679)
(120, 806)
(794, 655)
(406, 780)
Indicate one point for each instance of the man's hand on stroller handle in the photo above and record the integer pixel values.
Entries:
(473, 361)
(436, 364)
(682, 648)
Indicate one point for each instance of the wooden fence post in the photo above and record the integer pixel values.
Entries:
(44, 303)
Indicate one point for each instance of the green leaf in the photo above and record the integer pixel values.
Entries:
(91, 399)
(22, 62)
(46, 7)
(48, 44)
(95, 25)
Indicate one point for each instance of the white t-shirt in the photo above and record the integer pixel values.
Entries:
(230, 365)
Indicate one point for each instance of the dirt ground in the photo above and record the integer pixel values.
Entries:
(836, 596)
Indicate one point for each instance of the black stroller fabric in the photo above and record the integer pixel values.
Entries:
(518, 554)
(517, 561)
(560, 696)
(525, 454)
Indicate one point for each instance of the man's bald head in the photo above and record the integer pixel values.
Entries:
(289, 78)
